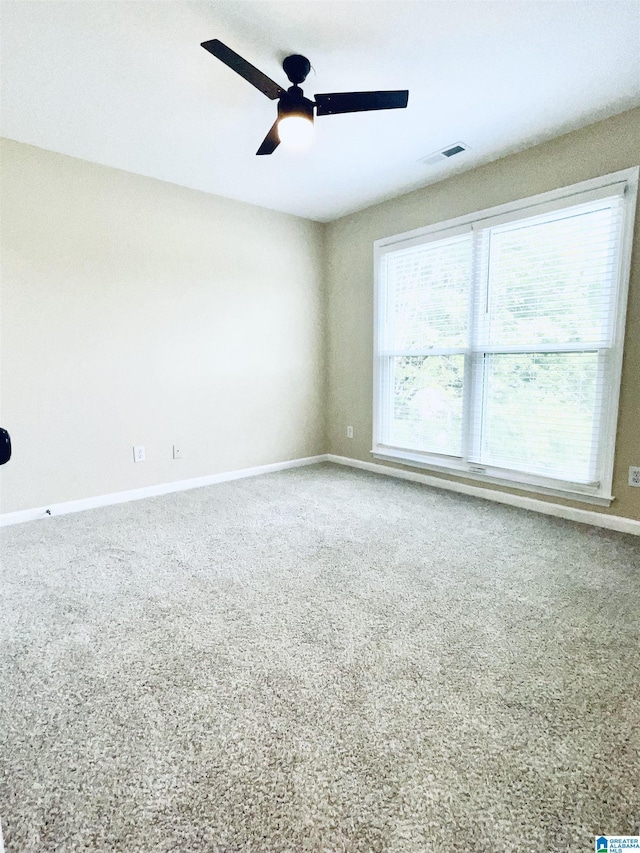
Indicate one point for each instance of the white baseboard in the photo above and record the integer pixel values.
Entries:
(598, 519)
(22, 515)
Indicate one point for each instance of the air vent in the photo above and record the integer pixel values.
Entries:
(457, 149)
(444, 154)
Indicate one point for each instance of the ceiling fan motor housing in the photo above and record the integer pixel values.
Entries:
(294, 103)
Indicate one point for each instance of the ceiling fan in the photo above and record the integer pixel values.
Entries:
(294, 125)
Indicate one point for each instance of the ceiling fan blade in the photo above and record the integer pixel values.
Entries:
(356, 102)
(271, 141)
(243, 68)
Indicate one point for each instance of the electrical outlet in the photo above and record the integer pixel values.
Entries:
(349, 432)
(634, 476)
(138, 453)
(177, 452)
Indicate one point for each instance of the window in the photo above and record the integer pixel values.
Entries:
(499, 340)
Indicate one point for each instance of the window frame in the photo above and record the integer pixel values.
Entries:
(599, 494)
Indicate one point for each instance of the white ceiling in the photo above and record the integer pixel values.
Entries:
(126, 84)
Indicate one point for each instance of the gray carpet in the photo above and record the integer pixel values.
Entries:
(317, 660)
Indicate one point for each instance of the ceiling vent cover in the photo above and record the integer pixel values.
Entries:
(444, 154)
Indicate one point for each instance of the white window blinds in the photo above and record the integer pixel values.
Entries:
(542, 337)
(498, 342)
(427, 331)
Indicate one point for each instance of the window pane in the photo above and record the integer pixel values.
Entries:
(428, 295)
(426, 413)
(540, 412)
(551, 281)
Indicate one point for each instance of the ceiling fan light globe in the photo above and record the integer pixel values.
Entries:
(295, 132)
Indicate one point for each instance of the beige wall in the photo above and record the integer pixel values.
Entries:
(138, 312)
(596, 150)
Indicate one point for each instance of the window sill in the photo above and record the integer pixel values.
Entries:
(439, 465)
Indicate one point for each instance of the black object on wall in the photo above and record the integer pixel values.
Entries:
(5, 446)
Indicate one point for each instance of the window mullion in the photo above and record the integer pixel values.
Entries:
(473, 390)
